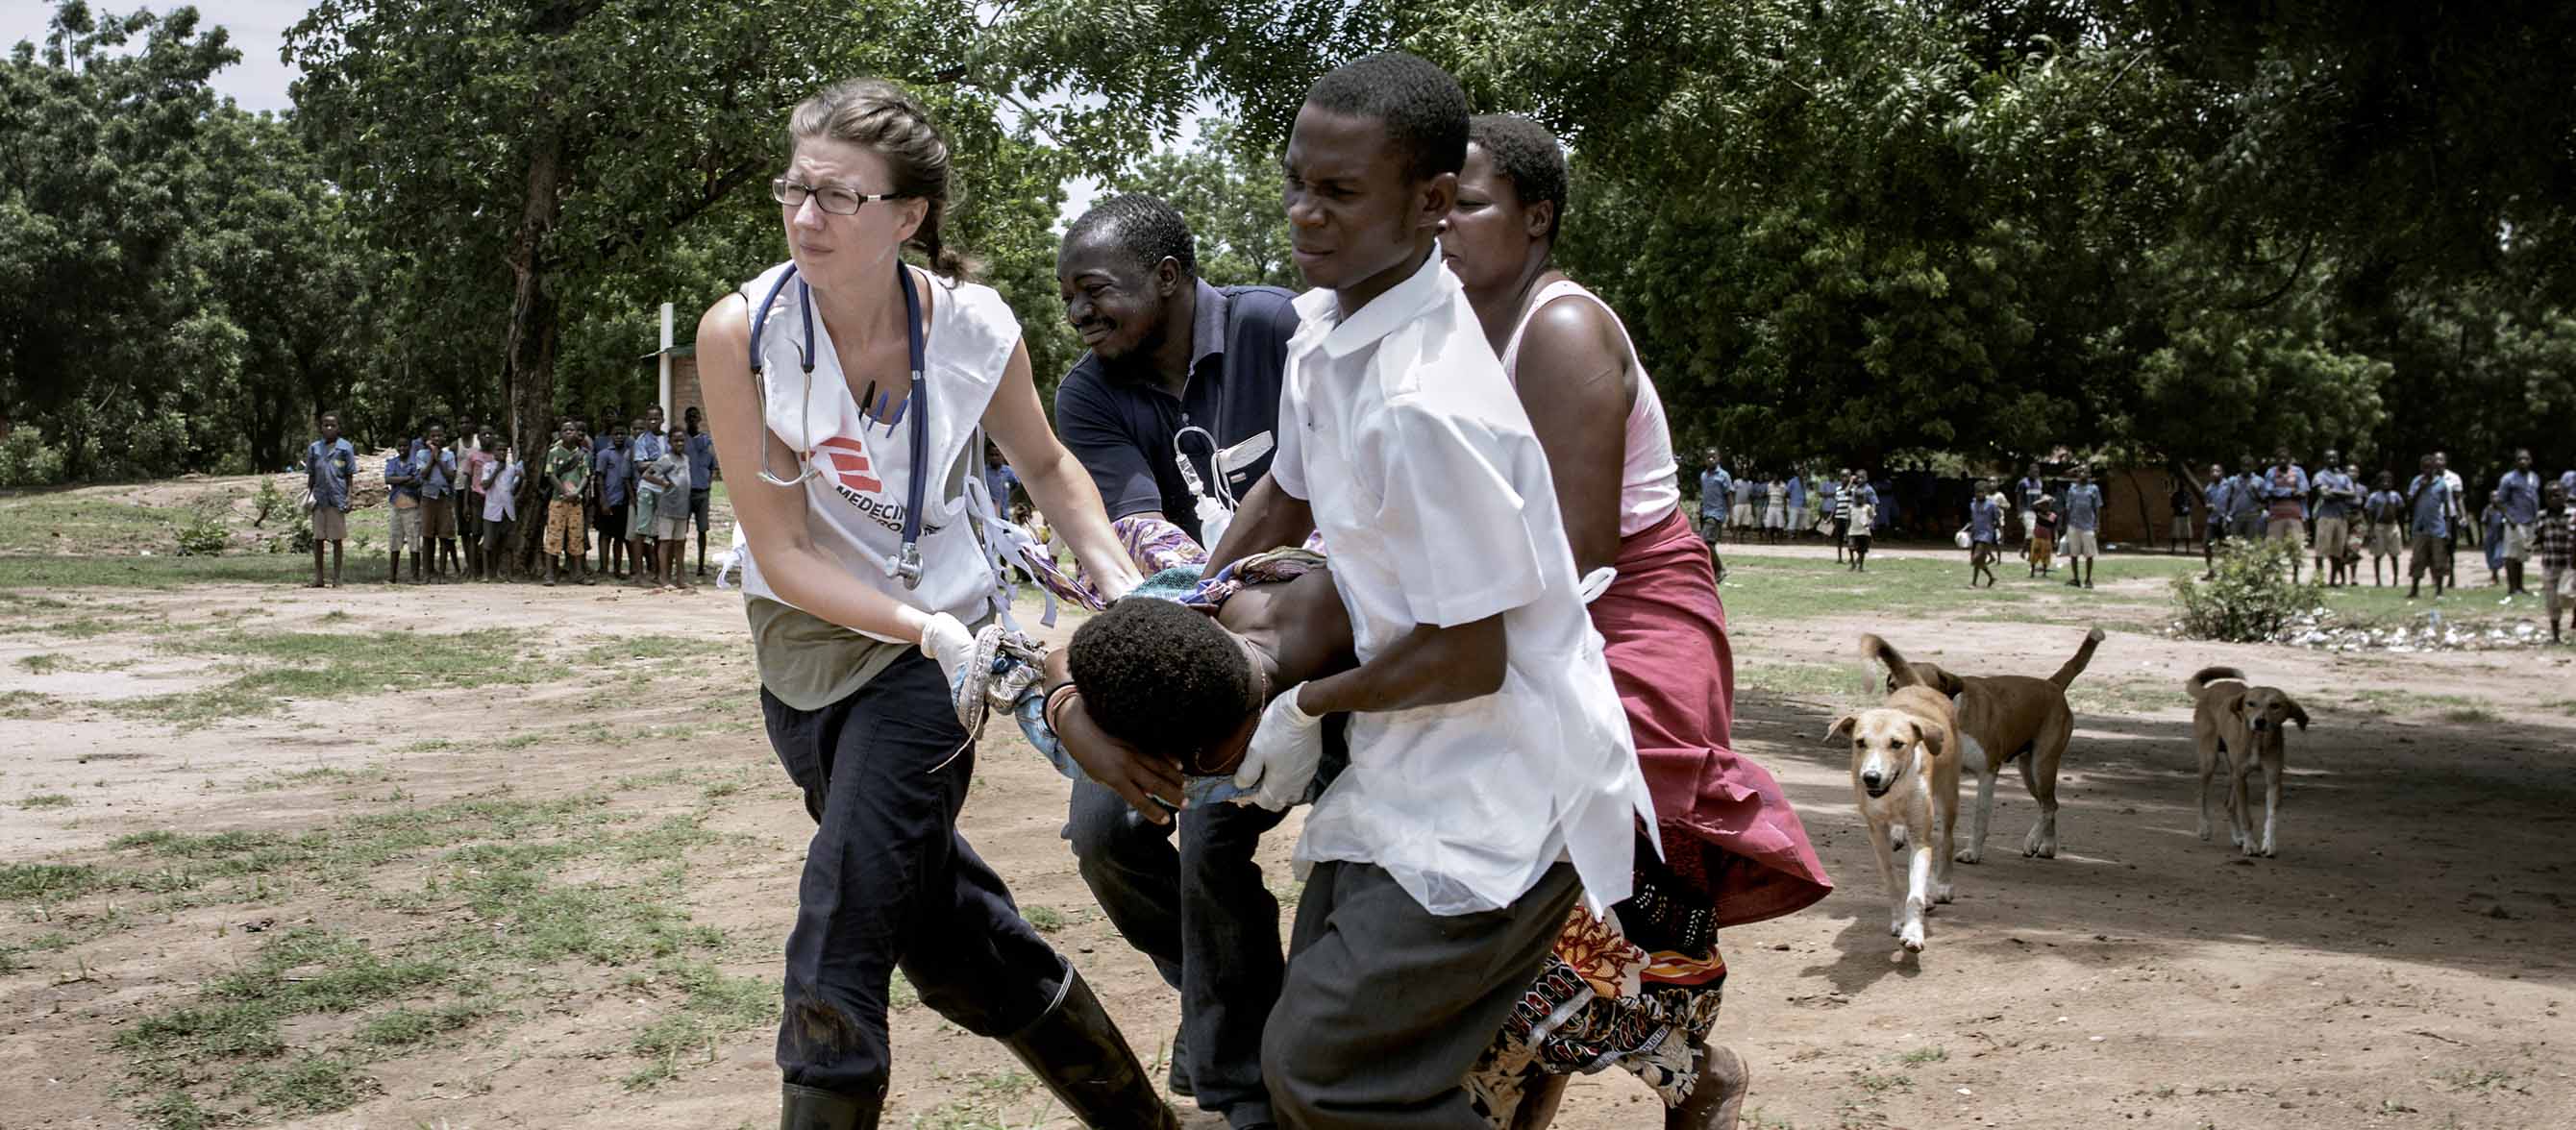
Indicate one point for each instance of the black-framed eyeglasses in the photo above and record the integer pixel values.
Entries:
(837, 201)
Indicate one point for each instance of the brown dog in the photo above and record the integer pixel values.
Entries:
(1905, 775)
(2010, 718)
(2247, 724)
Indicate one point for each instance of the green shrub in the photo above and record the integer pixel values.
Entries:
(25, 460)
(204, 534)
(268, 503)
(2252, 597)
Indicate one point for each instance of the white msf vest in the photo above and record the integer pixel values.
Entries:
(862, 454)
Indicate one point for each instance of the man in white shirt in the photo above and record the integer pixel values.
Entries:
(1492, 781)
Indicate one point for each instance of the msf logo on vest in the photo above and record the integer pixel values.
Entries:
(854, 478)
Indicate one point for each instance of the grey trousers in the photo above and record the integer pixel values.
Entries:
(1386, 1005)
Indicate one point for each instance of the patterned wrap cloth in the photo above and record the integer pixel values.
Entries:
(1640, 990)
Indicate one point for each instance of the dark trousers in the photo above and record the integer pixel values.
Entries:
(1387, 1005)
(1203, 914)
(890, 884)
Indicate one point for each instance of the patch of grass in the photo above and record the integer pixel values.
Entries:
(335, 616)
(46, 800)
(1766, 588)
(1847, 682)
(307, 1084)
(1925, 1055)
(28, 704)
(160, 571)
(31, 882)
(2473, 1079)
(276, 666)
(44, 664)
(1877, 1084)
(1047, 919)
(403, 1027)
(497, 858)
(642, 647)
(2470, 715)
(715, 1003)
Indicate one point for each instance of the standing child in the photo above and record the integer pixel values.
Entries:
(702, 479)
(402, 499)
(2428, 527)
(1775, 513)
(2555, 535)
(500, 511)
(2491, 524)
(609, 466)
(478, 465)
(1985, 530)
(2386, 510)
(1864, 515)
(642, 498)
(434, 466)
(670, 475)
(2083, 525)
(2043, 535)
(330, 465)
(567, 473)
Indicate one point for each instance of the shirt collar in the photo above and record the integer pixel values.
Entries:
(1380, 317)
(1207, 325)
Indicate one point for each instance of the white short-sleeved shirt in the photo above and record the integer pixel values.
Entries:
(1398, 427)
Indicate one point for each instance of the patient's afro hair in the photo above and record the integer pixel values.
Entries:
(1161, 676)
(1424, 111)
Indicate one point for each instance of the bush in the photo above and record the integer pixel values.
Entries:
(268, 503)
(25, 461)
(2252, 598)
(204, 534)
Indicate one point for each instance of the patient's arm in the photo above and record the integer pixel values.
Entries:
(1121, 767)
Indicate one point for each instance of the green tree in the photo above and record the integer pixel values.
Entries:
(1228, 189)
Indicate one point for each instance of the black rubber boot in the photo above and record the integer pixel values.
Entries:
(1177, 1081)
(1075, 1049)
(812, 1108)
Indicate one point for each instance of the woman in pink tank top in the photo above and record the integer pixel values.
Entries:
(1641, 990)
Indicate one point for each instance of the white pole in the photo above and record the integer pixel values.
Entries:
(667, 412)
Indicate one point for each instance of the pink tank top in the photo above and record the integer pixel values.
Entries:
(1649, 479)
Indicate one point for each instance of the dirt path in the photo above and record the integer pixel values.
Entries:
(2403, 963)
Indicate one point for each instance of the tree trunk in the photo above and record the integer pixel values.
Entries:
(528, 357)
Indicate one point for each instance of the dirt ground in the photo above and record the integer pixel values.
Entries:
(2404, 962)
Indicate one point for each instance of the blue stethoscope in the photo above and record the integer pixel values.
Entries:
(907, 564)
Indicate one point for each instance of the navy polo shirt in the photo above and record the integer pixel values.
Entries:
(1122, 429)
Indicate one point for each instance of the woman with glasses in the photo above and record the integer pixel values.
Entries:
(1640, 990)
(862, 389)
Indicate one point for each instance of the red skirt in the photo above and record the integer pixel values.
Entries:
(1726, 827)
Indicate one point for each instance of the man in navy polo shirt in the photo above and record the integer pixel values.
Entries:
(1169, 354)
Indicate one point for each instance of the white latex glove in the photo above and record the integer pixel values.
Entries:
(949, 644)
(1286, 748)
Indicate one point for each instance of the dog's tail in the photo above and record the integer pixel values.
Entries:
(1899, 672)
(2083, 657)
(2201, 679)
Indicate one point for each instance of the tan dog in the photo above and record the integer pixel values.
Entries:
(2248, 724)
(1905, 775)
(2010, 718)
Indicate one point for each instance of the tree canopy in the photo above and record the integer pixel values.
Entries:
(1869, 231)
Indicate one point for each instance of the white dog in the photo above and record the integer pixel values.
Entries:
(1905, 775)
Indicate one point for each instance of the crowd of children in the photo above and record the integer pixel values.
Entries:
(452, 501)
